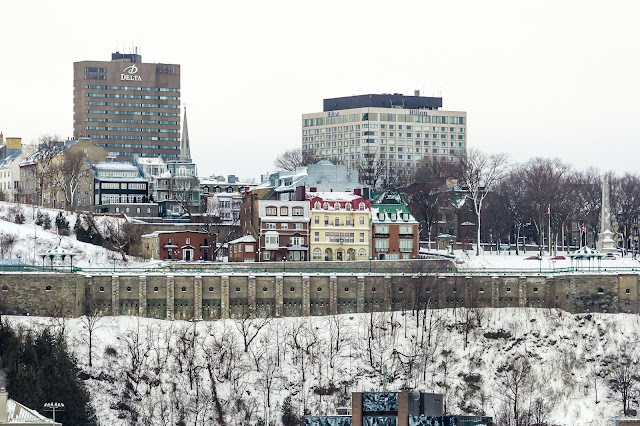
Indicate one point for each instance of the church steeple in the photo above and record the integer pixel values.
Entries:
(185, 148)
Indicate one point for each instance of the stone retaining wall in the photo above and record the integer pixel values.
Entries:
(215, 296)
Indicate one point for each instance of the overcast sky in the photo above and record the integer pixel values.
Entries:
(552, 78)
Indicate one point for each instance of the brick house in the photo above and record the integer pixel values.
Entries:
(283, 230)
(395, 232)
(179, 245)
(243, 249)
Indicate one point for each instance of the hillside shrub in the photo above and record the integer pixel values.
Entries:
(62, 224)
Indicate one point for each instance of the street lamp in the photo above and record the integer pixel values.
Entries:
(114, 263)
(53, 406)
(370, 259)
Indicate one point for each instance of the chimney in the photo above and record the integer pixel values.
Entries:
(313, 189)
(300, 193)
(358, 191)
(3, 405)
(416, 92)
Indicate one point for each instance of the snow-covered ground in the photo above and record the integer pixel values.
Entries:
(148, 371)
(32, 239)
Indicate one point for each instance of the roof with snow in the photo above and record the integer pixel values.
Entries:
(586, 253)
(18, 413)
(115, 165)
(334, 196)
(245, 239)
(391, 213)
(151, 161)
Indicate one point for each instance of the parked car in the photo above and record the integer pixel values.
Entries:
(610, 256)
(558, 258)
(533, 258)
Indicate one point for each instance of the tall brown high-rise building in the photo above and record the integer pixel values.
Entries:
(128, 107)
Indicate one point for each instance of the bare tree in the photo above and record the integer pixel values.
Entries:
(66, 175)
(91, 321)
(515, 378)
(250, 328)
(625, 201)
(624, 379)
(370, 170)
(185, 192)
(292, 158)
(546, 185)
(589, 200)
(480, 173)
(512, 190)
(48, 147)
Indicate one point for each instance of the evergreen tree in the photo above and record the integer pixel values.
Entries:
(46, 222)
(78, 229)
(289, 417)
(39, 218)
(19, 217)
(62, 224)
(39, 369)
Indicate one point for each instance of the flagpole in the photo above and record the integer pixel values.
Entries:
(549, 238)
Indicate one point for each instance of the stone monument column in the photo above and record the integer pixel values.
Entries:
(606, 243)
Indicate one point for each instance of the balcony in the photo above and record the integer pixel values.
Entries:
(406, 235)
(379, 235)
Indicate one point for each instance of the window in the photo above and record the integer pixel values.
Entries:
(272, 211)
(248, 248)
(362, 253)
(347, 221)
(362, 237)
(271, 239)
(298, 226)
(297, 241)
(284, 226)
(170, 241)
(184, 289)
(326, 220)
(336, 221)
(361, 220)
(297, 211)
(406, 246)
(271, 226)
(266, 255)
(349, 207)
(316, 237)
(317, 254)
(188, 241)
(284, 211)
(382, 245)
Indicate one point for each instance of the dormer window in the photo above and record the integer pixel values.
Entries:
(336, 206)
(348, 206)
(317, 205)
(361, 206)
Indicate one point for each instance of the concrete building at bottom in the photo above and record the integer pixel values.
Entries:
(16, 414)
(396, 409)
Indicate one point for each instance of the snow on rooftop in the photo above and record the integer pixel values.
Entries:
(333, 196)
(115, 165)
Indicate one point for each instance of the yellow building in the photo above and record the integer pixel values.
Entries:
(340, 226)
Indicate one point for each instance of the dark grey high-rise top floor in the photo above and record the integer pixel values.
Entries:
(396, 100)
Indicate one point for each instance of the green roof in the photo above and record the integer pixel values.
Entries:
(389, 209)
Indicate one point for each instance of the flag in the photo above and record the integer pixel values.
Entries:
(549, 209)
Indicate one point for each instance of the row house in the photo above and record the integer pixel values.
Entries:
(188, 246)
(283, 230)
(67, 169)
(116, 187)
(395, 232)
(156, 172)
(13, 153)
(340, 226)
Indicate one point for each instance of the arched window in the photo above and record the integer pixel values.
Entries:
(317, 254)
(325, 206)
(336, 206)
(317, 205)
(362, 253)
(348, 206)
(361, 206)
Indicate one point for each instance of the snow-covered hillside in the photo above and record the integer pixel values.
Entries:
(157, 372)
(32, 239)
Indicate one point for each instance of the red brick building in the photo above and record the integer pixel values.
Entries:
(395, 232)
(243, 249)
(179, 245)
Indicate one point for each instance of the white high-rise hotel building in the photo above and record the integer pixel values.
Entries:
(400, 131)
